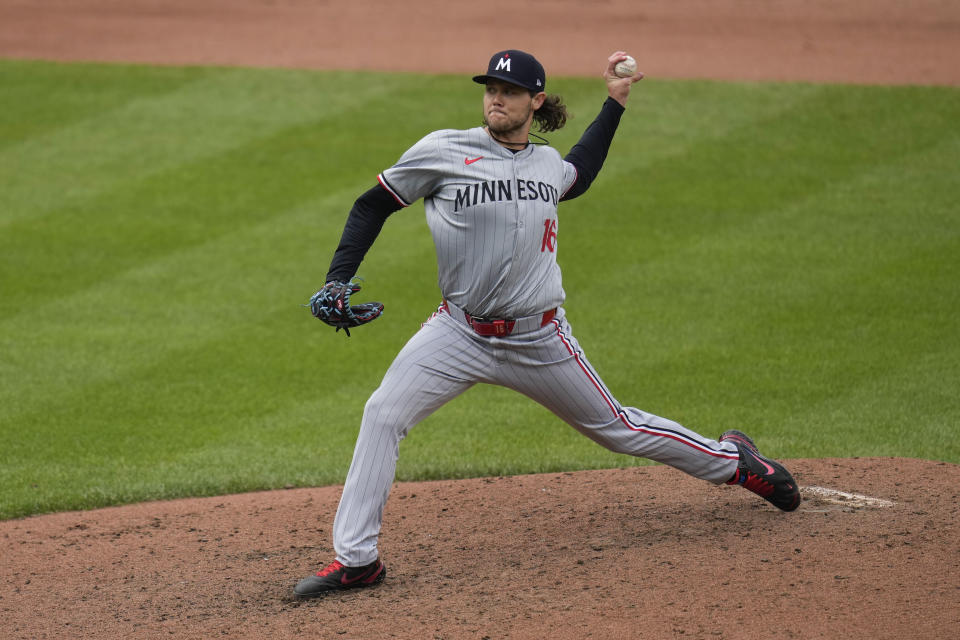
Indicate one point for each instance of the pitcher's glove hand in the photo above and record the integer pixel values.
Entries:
(332, 305)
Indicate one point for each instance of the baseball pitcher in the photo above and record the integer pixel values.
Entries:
(491, 197)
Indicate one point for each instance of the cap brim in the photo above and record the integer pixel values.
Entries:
(492, 76)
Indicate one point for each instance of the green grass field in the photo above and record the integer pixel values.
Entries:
(783, 258)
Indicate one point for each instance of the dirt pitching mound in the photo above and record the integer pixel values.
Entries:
(873, 552)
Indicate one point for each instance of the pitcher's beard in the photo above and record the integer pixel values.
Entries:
(505, 129)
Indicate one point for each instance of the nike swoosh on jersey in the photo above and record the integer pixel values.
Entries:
(471, 160)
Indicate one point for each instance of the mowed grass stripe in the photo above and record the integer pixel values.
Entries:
(766, 298)
(42, 98)
(852, 313)
(216, 112)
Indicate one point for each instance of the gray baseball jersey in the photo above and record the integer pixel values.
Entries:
(493, 216)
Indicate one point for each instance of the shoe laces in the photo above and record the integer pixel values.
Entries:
(333, 567)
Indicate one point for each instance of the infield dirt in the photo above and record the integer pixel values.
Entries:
(626, 553)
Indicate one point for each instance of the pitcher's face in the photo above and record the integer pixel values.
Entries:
(508, 108)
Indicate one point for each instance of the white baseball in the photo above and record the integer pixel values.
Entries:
(626, 68)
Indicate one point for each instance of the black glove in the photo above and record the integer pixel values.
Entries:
(332, 305)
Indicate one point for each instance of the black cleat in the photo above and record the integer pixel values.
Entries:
(337, 577)
(765, 477)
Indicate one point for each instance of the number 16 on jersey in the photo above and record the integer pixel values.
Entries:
(549, 242)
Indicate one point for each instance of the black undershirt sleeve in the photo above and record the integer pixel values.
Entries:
(591, 150)
(363, 225)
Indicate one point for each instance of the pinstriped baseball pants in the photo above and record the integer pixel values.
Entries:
(444, 359)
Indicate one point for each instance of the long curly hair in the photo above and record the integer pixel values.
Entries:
(551, 115)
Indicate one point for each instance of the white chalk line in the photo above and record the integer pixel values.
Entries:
(849, 499)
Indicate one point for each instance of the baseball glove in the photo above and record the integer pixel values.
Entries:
(332, 305)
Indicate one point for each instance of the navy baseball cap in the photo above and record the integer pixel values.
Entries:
(517, 67)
